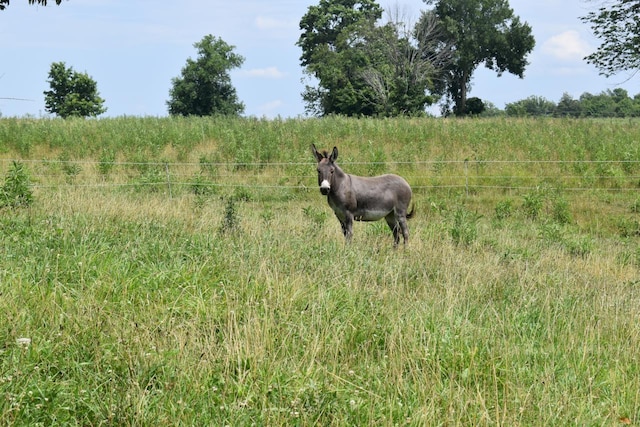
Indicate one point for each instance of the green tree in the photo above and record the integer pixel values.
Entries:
(531, 106)
(205, 87)
(329, 32)
(608, 103)
(72, 94)
(361, 67)
(5, 3)
(476, 32)
(405, 63)
(617, 25)
(568, 107)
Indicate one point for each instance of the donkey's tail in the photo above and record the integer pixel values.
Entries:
(412, 211)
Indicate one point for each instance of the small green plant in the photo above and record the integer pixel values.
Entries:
(504, 209)
(151, 180)
(208, 166)
(231, 220)
(532, 204)
(317, 216)
(579, 247)
(200, 186)
(551, 232)
(464, 229)
(70, 168)
(267, 215)
(377, 159)
(561, 212)
(16, 190)
(628, 227)
(107, 162)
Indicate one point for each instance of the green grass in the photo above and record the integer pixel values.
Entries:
(140, 308)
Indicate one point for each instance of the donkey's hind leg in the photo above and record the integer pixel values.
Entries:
(404, 228)
(395, 228)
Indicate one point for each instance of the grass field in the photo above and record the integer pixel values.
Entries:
(188, 272)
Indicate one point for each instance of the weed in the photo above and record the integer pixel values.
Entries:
(317, 216)
(70, 168)
(200, 186)
(532, 204)
(377, 159)
(561, 212)
(579, 246)
(107, 162)
(16, 191)
(628, 227)
(464, 229)
(151, 180)
(503, 209)
(551, 232)
(231, 220)
(208, 166)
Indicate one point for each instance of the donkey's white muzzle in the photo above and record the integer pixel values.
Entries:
(325, 187)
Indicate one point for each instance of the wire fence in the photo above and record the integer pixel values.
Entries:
(466, 175)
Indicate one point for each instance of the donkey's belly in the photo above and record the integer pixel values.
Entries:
(370, 215)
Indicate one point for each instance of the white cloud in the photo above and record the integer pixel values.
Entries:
(267, 73)
(567, 46)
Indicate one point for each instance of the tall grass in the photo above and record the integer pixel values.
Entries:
(130, 307)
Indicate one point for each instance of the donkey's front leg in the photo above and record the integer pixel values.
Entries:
(347, 227)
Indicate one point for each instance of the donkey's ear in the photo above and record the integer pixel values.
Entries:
(334, 154)
(315, 152)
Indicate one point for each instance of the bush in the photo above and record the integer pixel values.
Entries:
(16, 190)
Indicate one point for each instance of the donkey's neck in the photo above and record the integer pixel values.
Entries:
(340, 178)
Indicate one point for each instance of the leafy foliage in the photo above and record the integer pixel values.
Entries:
(617, 25)
(362, 68)
(72, 94)
(532, 106)
(477, 32)
(16, 190)
(5, 3)
(205, 86)
(609, 103)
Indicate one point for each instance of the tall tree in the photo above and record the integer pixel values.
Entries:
(72, 94)
(5, 3)
(617, 25)
(362, 67)
(480, 31)
(408, 60)
(329, 31)
(205, 86)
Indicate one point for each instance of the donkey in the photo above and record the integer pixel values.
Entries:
(358, 198)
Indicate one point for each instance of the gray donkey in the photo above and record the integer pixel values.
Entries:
(359, 198)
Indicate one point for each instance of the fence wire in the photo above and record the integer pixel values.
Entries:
(470, 175)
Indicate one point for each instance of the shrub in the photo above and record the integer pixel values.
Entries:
(504, 209)
(16, 190)
(231, 220)
(465, 227)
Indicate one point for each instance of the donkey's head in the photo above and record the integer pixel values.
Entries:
(326, 168)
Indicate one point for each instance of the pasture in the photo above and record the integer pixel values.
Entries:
(189, 272)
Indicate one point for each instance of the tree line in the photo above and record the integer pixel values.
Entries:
(356, 64)
(609, 103)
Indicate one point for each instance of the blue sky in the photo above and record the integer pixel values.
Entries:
(133, 48)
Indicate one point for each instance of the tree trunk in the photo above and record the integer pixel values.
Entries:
(461, 101)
